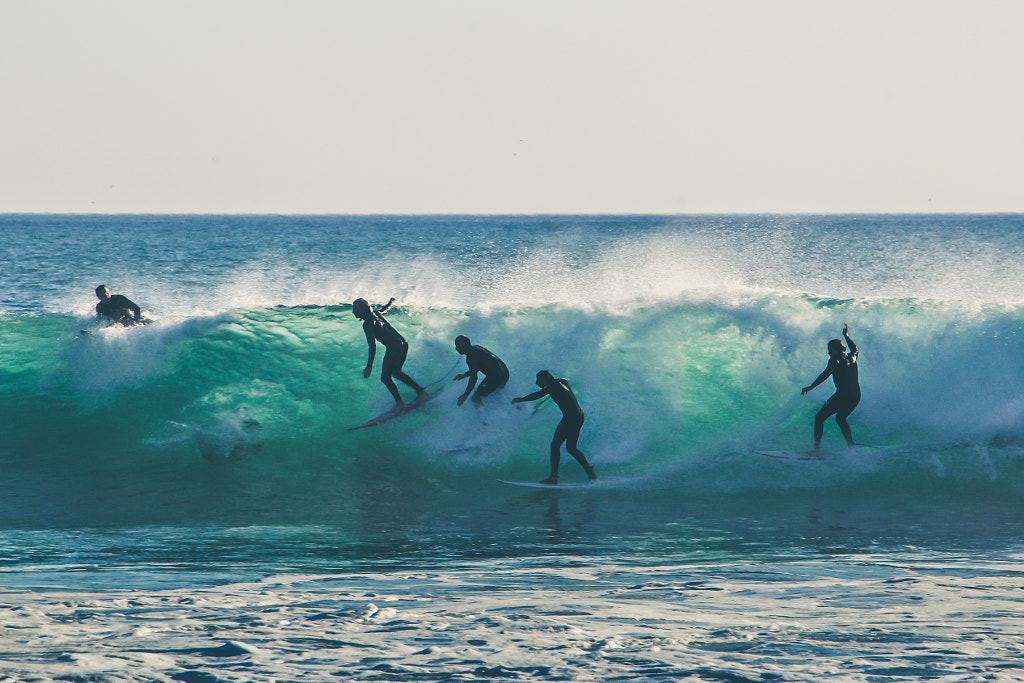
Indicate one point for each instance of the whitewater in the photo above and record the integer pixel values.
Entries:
(185, 500)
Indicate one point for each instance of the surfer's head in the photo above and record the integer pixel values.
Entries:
(360, 308)
(462, 344)
(836, 348)
(544, 378)
(103, 292)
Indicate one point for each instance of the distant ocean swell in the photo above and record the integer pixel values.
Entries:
(676, 395)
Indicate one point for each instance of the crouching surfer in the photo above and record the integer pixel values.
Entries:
(377, 329)
(480, 360)
(568, 430)
(842, 366)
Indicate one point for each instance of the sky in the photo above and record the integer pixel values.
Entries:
(515, 107)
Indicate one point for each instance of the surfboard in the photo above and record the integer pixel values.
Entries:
(462, 449)
(140, 321)
(788, 455)
(537, 485)
(782, 454)
(397, 411)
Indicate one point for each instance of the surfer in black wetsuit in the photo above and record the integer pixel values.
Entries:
(480, 360)
(842, 366)
(117, 308)
(568, 430)
(377, 329)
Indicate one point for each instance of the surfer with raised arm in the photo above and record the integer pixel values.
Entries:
(377, 329)
(117, 308)
(842, 366)
(568, 430)
(479, 359)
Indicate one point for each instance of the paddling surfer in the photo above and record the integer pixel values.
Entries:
(568, 430)
(377, 329)
(117, 308)
(480, 360)
(842, 366)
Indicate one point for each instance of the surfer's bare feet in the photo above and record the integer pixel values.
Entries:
(552, 480)
(591, 474)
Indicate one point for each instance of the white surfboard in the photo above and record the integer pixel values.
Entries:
(787, 455)
(538, 485)
(784, 454)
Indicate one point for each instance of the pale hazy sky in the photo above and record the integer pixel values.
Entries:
(518, 106)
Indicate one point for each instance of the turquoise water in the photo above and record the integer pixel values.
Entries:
(209, 453)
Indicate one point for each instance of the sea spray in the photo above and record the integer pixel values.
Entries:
(675, 394)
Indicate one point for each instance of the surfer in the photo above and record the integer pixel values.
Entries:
(117, 308)
(377, 329)
(568, 430)
(842, 366)
(480, 360)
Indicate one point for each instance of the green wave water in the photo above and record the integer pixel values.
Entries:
(248, 413)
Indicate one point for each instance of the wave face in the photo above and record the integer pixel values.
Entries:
(686, 339)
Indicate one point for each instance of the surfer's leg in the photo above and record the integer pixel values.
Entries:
(398, 356)
(387, 370)
(486, 388)
(390, 384)
(556, 452)
(406, 379)
(574, 451)
(844, 426)
(827, 411)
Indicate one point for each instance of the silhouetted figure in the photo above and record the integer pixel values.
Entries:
(842, 366)
(377, 329)
(117, 308)
(568, 430)
(480, 360)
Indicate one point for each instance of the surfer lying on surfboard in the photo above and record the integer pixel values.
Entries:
(117, 308)
(842, 366)
(568, 430)
(377, 329)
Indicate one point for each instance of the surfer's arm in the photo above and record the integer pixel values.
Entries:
(531, 397)
(387, 306)
(134, 308)
(372, 351)
(471, 369)
(849, 342)
(469, 387)
(821, 378)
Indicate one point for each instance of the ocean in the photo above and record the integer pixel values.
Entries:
(186, 501)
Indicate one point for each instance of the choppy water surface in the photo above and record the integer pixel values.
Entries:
(185, 500)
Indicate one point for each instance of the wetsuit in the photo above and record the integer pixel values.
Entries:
(119, 309)
(845, 376)
(377, 329)
(479, 359)
(568, 430)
